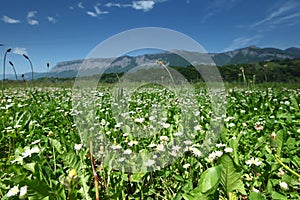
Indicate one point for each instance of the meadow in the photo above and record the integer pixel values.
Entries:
(255, 157)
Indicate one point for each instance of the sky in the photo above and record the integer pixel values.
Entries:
(54, 31)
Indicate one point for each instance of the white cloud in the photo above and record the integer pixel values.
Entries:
(217, 6)
(96, 11)
(51, 19)
(283, 9)
(32, 22)
(31, 14)
(30, 18)
(113, 5)
(9, 20)
(280, 15)
(20, 51)
(242, 42)
(91, 13)
(143, 5)
(80, 5)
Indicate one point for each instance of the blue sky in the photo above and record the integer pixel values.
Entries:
(56, 30)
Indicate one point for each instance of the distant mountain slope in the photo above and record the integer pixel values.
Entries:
(254, 54)
(124, 63)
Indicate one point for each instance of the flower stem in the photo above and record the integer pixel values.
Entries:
(286, 167)
(94, 170)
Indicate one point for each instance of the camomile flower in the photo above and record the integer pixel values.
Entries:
(77, 147)
(164, 138)
(139, 120)
(185, 166)
(152, 145)
(127, 151)
(176, 147)
(149, 163)
(196, 152)
(23, 192)
(253, 161)
(231, 124)
(228, 149)
(160, 147)
(284, 185)
(188, 142)
(116, 147)
(198, 128)
(166, 125)
(218, 153)
(173, 153)
(220, 145)
(132, 142)
(13, 191)
(178, 134)
(36, 141)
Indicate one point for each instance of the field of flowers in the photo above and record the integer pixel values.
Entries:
(257, 155)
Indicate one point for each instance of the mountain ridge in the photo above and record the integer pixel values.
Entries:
(238, 56)
(250, 54)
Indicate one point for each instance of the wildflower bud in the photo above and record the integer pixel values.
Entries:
(273, 140)
(102, 149)
(72, 173)
(281, 172)
(50, 133)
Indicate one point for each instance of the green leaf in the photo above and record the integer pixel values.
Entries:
(255, 196)
(40, 188)
(85, 187)
(188, 186)
(277, 195)
(56, 144)
(178, 178)
(71, 160)
(136, 177)
(209, 179)
(30, 167)
(189, 197)
(230, 177)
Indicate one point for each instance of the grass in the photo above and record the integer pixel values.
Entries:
(255, 157)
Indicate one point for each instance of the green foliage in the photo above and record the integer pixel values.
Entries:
(231, 177)
(257, 155)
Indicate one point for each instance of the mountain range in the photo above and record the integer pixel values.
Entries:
(125, 63)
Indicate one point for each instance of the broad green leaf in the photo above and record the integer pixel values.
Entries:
(209, 179)
(85, 187)
(30, 167)
(234, 143)
(277, 195)
(71, 160)
(189, 197)
(56, 144)
(230, 177)
(255, 196)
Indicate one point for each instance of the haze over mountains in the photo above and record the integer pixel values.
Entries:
(125, 63)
